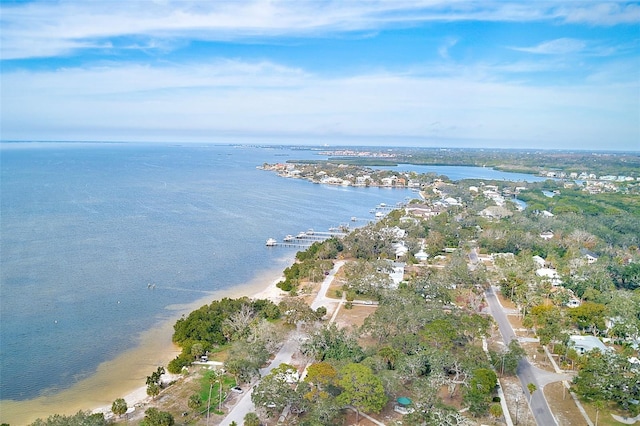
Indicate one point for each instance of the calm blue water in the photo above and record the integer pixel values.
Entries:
(465, 172)
(85, 227)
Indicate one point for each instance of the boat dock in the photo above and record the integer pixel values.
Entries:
(305, 239)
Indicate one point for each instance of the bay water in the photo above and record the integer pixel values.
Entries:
(103, 242)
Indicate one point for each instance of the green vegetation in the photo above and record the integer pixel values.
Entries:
(519, 161)
(311, 264)
(424, 337)
(155, 417)
(81, 418)
(119, 407)
(220, 323)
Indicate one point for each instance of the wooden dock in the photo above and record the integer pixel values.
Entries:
(306, 240)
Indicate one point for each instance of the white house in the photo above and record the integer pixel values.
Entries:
(590, 256)
(550, 275)
(421, 256)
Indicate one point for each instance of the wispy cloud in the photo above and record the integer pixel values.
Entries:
(45, 29)
(251, 98)
(560, 46)
(444, 48)
(601, 13)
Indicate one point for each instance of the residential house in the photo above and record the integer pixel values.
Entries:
(584, 344)
(590, 256)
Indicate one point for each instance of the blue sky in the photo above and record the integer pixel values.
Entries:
(508, 74)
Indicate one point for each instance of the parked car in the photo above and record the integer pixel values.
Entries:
(237, 389)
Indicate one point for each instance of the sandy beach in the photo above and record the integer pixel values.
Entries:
(124, 376)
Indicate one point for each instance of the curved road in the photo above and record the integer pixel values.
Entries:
(527, 373)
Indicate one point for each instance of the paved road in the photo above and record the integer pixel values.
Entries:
(527, 373)
(284, 355)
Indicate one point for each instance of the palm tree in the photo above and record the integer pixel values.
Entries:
(389, 355)
(532, 388)
(215, 377)
(599, 405)
(194, 401)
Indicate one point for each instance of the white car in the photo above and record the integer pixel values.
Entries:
(237, 389)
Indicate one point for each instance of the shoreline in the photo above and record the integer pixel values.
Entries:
(124, 376)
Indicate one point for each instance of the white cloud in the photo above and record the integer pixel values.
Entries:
(43, 29)
(560, 46)
(603, 13)
(443, 50)
(234, 98)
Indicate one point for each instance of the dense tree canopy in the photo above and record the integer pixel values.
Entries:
(81, 418)
(361, 388)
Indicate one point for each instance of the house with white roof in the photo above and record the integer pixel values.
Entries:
(400, 249)
(550, 275)
(421, 256)
(584, 344)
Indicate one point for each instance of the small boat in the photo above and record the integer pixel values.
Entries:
(310, 231)
(288, 238)
(353, 219)
(271, 242)
(379, 214)
(301, 235)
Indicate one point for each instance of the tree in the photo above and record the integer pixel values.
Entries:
(599, 405)
(154, 382)
(297, 310)
(361, 389)
(608, 376)
(321, 376)
(331, 342)
(495, 410)
(367, 277)
(389, 355)
(478, 394)
(197, 350)
(532, 388)
(153, 390)
(251, 419)
(589, 315)
(237, 325)
(274, 391)
(321, 312)
(119, 407)
(155, 417)
(195, 401)
(507, 362)
(215, 377)
(81, 418)
(155, 377)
